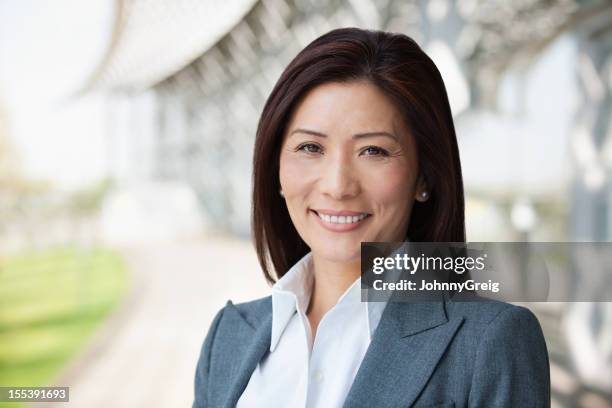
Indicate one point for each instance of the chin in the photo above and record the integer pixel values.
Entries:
(337, 251)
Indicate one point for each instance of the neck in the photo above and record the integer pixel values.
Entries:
(331, 280)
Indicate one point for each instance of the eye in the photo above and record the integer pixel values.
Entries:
(375, 151)
(309, 148)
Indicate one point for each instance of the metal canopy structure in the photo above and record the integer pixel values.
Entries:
(153, 39)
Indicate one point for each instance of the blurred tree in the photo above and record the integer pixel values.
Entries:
(28, 207)
(17, 193)
(88, 201)
(8, 162)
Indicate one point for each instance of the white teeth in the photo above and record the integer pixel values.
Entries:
(342, 219)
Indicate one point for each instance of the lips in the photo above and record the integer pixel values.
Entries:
(338, 213)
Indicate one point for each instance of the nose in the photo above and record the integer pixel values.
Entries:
(339, 179)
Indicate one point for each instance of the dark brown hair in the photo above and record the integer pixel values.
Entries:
(397, 66)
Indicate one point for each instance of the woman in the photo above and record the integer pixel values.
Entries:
(355, 144)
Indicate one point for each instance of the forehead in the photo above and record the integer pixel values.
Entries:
(346, 108)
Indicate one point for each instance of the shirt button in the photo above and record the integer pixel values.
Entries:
(318, 376)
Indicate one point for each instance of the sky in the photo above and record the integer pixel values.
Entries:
(48, 51)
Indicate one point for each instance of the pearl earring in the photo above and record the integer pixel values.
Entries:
(281, 193)
(424, 195)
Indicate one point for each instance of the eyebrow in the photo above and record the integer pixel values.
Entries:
(355, 136)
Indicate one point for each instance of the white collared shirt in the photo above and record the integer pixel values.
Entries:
(303, 372)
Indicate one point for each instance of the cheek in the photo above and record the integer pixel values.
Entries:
(292, 173)
(287, 172)
(397, 188)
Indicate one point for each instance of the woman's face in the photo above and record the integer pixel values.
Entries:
(346, 150)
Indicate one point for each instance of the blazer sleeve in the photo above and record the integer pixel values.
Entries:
(512, 367)
(202, 369)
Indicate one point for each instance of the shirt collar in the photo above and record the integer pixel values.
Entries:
(292, 293)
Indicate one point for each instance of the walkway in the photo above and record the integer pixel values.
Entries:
(145, 356)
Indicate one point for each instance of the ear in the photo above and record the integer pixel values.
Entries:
(422, 192)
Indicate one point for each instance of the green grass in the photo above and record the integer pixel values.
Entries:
(50, 302)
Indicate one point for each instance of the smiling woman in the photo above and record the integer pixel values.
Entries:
(356, 143)
(332, 168)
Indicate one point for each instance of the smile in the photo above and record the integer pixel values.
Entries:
(341, 223)
(342, 219)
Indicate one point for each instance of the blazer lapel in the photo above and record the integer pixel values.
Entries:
(405, 349)
(258, 328)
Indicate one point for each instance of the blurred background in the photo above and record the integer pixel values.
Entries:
(126, 136)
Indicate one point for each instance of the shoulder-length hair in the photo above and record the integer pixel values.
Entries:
(396, 65)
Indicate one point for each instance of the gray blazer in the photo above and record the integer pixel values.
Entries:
(435, 354)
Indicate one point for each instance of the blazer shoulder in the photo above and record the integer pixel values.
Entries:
(486, 311)
(511, 365)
